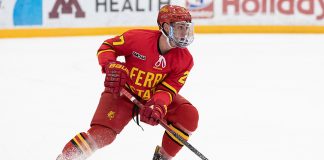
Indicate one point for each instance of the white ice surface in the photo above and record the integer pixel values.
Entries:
(260, 97)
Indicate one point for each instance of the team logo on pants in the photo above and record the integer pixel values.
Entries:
(111, 115)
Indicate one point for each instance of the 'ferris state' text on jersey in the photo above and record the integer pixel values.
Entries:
(149, 73)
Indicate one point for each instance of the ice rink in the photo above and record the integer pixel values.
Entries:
(260, 97)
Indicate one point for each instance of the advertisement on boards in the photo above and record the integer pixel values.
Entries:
(201, 8)
(287, 11)
(102, 13)
(124, 13)
(28, 12)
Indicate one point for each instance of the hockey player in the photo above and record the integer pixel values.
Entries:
(156, 66)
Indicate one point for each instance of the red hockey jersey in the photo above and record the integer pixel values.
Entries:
(150, 72)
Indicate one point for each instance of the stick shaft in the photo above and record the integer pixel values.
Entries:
(164, 125)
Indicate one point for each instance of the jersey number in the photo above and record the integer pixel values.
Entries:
(182, 80)
(121, 42)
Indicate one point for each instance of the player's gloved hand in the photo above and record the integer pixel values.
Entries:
(116, 76)
(152, 113)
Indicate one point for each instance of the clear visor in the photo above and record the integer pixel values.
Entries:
(181, 33)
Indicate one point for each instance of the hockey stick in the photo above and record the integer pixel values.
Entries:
(164, 125)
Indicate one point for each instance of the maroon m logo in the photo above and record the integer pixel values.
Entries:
(66, 8)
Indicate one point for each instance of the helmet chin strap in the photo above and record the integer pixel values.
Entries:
(167, 37)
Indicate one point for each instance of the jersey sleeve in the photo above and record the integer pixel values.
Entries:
(111, 48)
(172, 84)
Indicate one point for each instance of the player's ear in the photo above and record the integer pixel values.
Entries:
(166, 28)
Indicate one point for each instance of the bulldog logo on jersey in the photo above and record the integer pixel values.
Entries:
(160, 64)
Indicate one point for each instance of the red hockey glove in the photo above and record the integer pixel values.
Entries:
(152, 113)
(116, 75)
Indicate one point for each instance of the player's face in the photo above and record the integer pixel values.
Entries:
(181, 29)
(181, 33)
